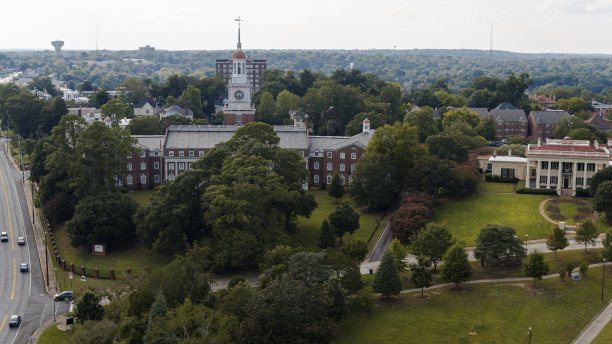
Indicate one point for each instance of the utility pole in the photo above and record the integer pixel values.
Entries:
(21, 158)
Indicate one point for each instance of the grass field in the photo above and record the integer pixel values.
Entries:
(142, 197)
(307, 234)
(53, 335)
(605, 336)
(568, 210)
(494, 187)
(466, 217)
(482, 313)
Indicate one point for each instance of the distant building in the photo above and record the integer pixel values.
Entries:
(506, 106)
(509, 122)
(546, 102)
(484, 113)
(542, 124)
(176, 110)
(147, 50)
(40, 94)
(600, 122)
(146, 107)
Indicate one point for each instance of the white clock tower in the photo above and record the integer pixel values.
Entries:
(237, 108)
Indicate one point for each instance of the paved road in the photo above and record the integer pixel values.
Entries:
(20, 293)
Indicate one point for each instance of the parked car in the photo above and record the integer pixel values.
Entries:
(15, 321)
(63, 296)
(21, 241)
(3, 236)
(24, 267)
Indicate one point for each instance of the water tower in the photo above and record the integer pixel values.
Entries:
(58, 46)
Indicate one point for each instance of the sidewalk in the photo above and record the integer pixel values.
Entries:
(595, 326)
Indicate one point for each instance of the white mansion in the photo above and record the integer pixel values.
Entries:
(565, 165)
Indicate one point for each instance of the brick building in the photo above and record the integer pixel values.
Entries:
(145, 169)
(509, 122)
(542, 124)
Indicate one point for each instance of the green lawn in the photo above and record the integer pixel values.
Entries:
(482, 313)
(142, 197)
(307, 234)
(134, 257)
(568, 210)
(52, 335)
(602, 223)
(494, 187)
(605, 335)
(466, 217)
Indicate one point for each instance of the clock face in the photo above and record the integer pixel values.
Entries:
(239, 94)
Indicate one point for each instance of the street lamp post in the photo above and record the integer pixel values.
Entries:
(603, 277)
(530, 335)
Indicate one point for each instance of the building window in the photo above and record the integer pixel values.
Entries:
(316, 178)
(316, 153)
(554, 180)
(316, 165)
(143, 179)
(238, 118)
(129, 166)
(542, 179)
(171, 176)
(329, 154)
(590, 167)
(181, 153)
(544, 165)
(554, 165)
(342, 167)
(156, 152)
(329, 178)
(156, 165)
(343, 179)
(171, 153)
(143, 154)
(170, 166)
(507, 173)
(156, 178)
(191, 153)
(181, 166)
(353, 155)
(143, 166)
(201, 153)
(302, 153)
(329, 166)
(352, 167)
(130, 180)
(580, 166)
(341, 155)
(579, 182)
(350, 179)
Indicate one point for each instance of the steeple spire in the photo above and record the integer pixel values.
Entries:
(239, 46)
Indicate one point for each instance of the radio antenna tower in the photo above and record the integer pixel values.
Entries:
(491, 42)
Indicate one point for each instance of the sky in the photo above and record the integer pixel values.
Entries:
(529, 26)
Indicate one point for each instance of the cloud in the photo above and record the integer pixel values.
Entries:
(579, 6)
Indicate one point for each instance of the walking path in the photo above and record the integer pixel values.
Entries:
(591, 331)
(545, 216)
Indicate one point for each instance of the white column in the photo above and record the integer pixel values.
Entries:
(584, 180)
(537, 184)
(548, 177)
(574, 172)
(559, 182)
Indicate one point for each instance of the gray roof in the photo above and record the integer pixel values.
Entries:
(482, 112)
(208, 136)
(175, 109)
(323, 143)
(506, 106)
(548, 117)
(150, 142)
(508, 115)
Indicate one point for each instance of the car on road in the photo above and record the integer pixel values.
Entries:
(21, 241)
(24, 267)
(15, 321)
(3, 236)
(63, 296)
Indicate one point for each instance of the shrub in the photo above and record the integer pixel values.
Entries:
(562, 274)
(488, 176)
(584, 267)
(585, 210)
(569, 268)
(579, 218)
(553, 209)
(557, 217)
(314, 188)
(536, 191)
(582, 193)
(235, 280)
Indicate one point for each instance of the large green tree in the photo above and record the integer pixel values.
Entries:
(535, 266)
(556, 240)
(423, 120)
(147, 125)
(432, 243)
(345, 219)
(88, 308)
(457, 267)
(497, 243)
(336, 188)
(586, 232)
(387, 281)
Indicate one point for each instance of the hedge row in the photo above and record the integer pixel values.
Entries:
(536, 191)
(498, 179)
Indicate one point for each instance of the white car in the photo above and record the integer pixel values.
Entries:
(21, 241)
(3, 236)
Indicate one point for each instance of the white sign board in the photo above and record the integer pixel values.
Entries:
(69, 274)
(98, 248)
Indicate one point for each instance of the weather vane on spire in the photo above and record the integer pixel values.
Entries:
(239, 20)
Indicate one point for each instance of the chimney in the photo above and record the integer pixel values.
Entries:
(168, 122)
(186, 111)
(596, 144)
(539, 142)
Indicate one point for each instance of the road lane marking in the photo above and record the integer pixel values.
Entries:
(14, 278)
(8, 210)
(3, 321)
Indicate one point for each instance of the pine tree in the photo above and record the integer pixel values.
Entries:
(556, 241)
(534, 266)
(327, 237)
(336, 189)
(456, 266)
(387, 281)
(159, 308)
